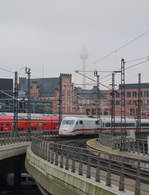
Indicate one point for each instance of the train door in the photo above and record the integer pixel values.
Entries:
(97, 125)
(81, 127)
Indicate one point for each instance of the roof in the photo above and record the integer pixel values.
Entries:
(47, 86)
(135, 86)
(52, 118)
(90, 93)
(6, 118)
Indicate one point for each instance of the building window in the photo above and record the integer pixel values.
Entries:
(117, 94)
(146, 93)
(93, 111)
(98, 111)
(134, 102)
(128, 94)
(87, 111)
(123, 94)
(117, 102)
(128, 102)
(132, 111)
(134, 94)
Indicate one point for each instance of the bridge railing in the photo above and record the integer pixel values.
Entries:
(23, 136)
(101, 166)
(130, 145)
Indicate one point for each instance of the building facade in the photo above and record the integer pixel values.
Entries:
(6, 93)
(131, 98)
(48, 90)
(92, 101)
(76, 100)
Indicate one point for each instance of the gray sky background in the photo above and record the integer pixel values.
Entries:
(53, 32)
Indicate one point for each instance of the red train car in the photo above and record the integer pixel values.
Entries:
(6, 123)
(44, 123)
(50, 123)
(24, 125)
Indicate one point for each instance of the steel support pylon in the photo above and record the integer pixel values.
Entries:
(15, 103)
(138, 127)
(123, 106)
(113, 104)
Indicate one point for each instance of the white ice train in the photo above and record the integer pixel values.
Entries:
(77, 125)
(85, 125)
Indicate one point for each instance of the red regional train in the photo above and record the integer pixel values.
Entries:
(43, 123)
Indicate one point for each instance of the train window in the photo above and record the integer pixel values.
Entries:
(130, 124)
(117, 125)
(68, 122)
(107, 124)
(144, 124)
(124, 124)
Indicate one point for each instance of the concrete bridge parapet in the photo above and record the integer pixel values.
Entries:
(60, 181)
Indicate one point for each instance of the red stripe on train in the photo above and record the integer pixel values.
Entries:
(106, 129)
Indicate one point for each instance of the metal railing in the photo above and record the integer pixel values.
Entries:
(14, 137)
(23, 136)
(138, 146)
(124, 172)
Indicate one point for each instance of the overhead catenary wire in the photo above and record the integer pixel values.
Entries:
(130, 66)
(109, 75)
(121, 47)
(137, 64)
(93, 80)
(6, 70)
(137, 59)
(7, 94)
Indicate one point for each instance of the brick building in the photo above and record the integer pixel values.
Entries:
(47, 90)
(76, 100)
(88, 101)
(69, 105)
(131, 97)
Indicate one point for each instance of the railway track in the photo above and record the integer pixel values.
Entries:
(74, 144)
(77, 141)
(113, 164)
(74, 153)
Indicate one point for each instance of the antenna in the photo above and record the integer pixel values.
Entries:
(84, 56)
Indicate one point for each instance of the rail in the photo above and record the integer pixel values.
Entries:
(125, 172)
(138, 146)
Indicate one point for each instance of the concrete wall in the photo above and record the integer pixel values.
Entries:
(59, 181)
(12, 150)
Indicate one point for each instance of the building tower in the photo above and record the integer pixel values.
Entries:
(84, 57)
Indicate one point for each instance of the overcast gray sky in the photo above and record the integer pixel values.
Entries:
(53, 32)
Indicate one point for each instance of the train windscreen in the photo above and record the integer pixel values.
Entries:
(68, 122)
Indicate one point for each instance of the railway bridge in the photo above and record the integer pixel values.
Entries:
(64, 169)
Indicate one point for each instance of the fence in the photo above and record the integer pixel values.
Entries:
(129, 144)
(126, 172)
(23, 136)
